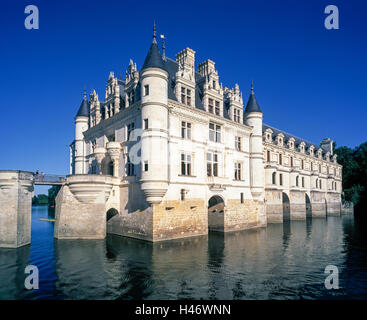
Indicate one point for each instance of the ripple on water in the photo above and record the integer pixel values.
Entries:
(278, 262)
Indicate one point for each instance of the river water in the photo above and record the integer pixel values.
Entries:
(278, 262)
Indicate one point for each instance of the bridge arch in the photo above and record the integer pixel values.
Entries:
(216, 207)
(215, 200)
(286, 207)
(111, 213)
(308, 206)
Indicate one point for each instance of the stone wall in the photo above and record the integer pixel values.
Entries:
(16, 191)
(333, 204)
(241, 216)
(318, 204)
(179, 219)
(81, 206)
(274, 206)
(297, 202)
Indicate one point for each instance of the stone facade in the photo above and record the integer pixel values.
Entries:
(16, 191)
(187, 156)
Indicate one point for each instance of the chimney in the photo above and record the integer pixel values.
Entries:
(327, 144)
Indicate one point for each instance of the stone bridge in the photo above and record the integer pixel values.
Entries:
(81, 205)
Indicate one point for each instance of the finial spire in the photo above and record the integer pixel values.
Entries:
(154, 33)
(85, 91)
(252, 86)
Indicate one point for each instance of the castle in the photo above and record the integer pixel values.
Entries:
(171, 153)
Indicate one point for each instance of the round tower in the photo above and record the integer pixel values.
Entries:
(154, 116)
(81, 125)
(253, 117)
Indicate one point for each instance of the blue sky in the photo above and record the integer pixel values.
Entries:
(308, 80)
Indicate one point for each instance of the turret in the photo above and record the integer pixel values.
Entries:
(81, 125)
(154, 113)
(253, 117)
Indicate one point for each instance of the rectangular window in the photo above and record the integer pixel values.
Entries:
(212, 164)
(211, 105)
(238, 143)
(130, 168)
(185, 164)
(186, 96)
(146, 124)
(185, 130)
(214, 132)
(241, 197)
(237, 171)
(217, 109)
(280, 159)
(145, 166)
(146, 90)
(236, 115)
(281, 179)
(130, 129)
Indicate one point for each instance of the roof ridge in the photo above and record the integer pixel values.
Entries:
(292, 135)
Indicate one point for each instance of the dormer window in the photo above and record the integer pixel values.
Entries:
(311, 150)
(236, 115)
(290, 143)
(268, 135)
(211, 105)
(319, 153)
(280, 140)
(217, 110)
(302, 147)
(186, 96)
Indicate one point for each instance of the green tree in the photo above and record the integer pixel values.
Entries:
(354, 162)
(52, 193)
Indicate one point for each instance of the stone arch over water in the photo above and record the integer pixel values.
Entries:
(308, 206)
(286, 207)
(216, 207)
(111, 213)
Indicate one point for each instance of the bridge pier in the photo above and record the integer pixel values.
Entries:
(16, 191)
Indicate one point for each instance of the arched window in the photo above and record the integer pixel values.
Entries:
(320, 184)
(280, 158)
(297, 178)
(316, 183)
(268, 155)
(303, 182)
(274, 178)
(281, 179)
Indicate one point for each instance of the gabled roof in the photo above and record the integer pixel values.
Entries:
(84, 107)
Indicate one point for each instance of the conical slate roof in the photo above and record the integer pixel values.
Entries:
(84, 108)
(252, 105)
(153, 58)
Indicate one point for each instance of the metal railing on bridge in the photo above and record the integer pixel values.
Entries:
(49, 179)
